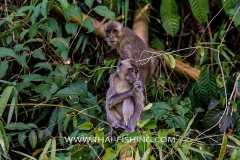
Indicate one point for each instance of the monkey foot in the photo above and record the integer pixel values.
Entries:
(129, 130)
(118, 125)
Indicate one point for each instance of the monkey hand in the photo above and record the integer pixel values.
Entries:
(101, 60)
(137, 84)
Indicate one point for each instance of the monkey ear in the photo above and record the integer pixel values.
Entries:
(133, 63)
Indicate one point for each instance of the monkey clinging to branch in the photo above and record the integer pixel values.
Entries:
(125, 100)
(128, 45)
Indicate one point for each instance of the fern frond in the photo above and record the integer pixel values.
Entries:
(201, 94)
(170, 16)
(200, 9)
(228, 5)
(208, 80)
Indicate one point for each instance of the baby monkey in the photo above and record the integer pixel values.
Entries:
(125, 100)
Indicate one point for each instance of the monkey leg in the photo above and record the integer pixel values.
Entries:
(115, 118)
(127, 110)
(138, 99)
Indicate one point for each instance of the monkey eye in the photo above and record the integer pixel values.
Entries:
(108, 31)
(115, 31)
(119, 64)
(130, 69)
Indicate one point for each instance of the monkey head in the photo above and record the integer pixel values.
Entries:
(112, 32)
(128, 70)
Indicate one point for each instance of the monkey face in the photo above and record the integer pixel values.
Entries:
(112, 32)
(128, 70)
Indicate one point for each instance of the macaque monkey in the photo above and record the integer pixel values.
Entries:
(125, 100)
(128, 45)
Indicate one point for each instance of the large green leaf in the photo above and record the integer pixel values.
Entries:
(105, 12)
(4, 98)
(200, 9)
(170, 16)
(201, 93)
(208, 80)
(212, 117)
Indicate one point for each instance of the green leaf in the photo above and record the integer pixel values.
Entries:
(201, 94)
(3, 21)
(86, 126)
(89, 3)
(36, 13)
(146, 154)
(33, 30)
(52, 23)
(65, 92)
(181, 153)
(170, 59)
(43, 154)
(80, 39)
(71, 28)
(34, 40)
(4, 52)
(38, 53)
(4, 139)
(53, 150)
(200, 9)
(44, 89)
(207, 79)
(105, 12)
(24, 32)
(4, 98)
(149, 106)
(11, 110)
(110, 154)
(22, 59)
(21, 138)
(170, 16)
(64, 4)
(23, 9)
(85, 41)
(9, 39)
(212, 117)
(44, 8)
(80, 88)
(228, 6)
(237, 141)
(32, 138)
(151, 124)
(52, 121)
(40, 134)
(17, 126)
(197, 150)
(44, 65)
(59, 41)
(88, 24)
(4, 67)
(32, 77)
(223, 147)
(75, 11)
(46, 28)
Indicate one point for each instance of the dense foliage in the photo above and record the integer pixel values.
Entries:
(53, 90)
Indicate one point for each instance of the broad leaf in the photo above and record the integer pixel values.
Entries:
(105, 12)
(170, 16)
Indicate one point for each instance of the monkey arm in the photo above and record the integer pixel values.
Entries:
(110, 54)
(118, 98)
